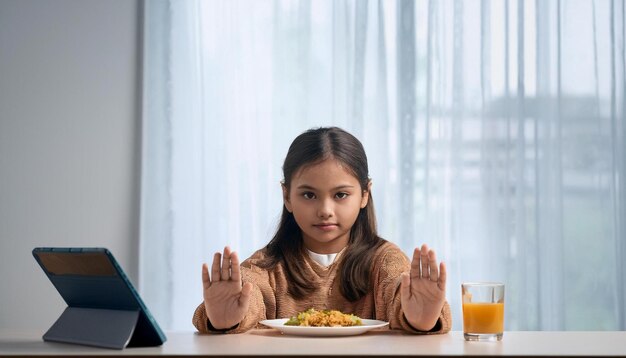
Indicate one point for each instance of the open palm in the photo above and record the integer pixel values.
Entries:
(423, 289)
(226, 300)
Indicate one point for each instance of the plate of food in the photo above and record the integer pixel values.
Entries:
(324, 323)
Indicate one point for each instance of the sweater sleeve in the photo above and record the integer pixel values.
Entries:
(390, 266)
(262, 298)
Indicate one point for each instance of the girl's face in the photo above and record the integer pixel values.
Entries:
(325, 200)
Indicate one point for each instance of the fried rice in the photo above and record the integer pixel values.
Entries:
(324, 318)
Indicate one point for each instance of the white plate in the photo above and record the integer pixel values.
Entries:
(368, 324)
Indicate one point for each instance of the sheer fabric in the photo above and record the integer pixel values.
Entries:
(494, 130)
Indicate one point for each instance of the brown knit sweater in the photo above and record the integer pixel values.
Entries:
(270, 298)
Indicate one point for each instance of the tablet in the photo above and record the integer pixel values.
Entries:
(104, 309)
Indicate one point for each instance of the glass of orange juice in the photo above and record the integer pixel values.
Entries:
(483, 311)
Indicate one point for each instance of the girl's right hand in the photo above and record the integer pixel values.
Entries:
(226, 300)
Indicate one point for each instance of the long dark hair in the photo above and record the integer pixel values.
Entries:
(311, 147)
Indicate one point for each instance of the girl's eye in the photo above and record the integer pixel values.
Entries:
(341, 195)
(308, 195)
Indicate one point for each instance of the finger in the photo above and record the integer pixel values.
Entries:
(424, 260)
(235, 271)
(415, 264)
(246, 292)
(405, 286)
(442, 277)
(206, 283)
(215, 268)
(432, 262)
(226, 264)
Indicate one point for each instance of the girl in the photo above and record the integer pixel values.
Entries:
(326, 253)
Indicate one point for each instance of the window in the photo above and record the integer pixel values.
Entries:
(494, 130)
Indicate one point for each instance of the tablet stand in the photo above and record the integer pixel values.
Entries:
(94, 327)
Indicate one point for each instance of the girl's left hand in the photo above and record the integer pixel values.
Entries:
(423, 290)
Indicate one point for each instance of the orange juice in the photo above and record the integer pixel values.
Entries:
(483, 317)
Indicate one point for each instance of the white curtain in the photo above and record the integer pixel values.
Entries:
(494, 129)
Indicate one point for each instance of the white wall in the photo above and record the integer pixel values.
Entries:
(69, 142)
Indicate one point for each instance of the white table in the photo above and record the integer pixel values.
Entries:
(265, 342)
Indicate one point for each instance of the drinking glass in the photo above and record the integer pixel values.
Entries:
(483, 311)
